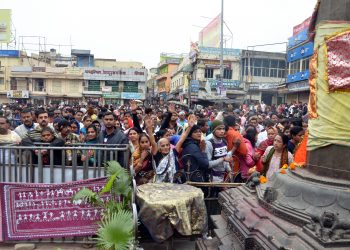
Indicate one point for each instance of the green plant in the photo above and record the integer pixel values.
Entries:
(116, 226)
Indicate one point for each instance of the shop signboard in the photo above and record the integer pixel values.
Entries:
(306, 50)
(112, 95)
(298, 86)
(106, 88)
(9, 53)
(194, 86)
(227, 83)
(298, 38)
(113, 74)
(137, 96)
(303, 26)
(5, 25)
(263, 86)
(21, 69)
(299, 76)
(217, 51)
(18, 94)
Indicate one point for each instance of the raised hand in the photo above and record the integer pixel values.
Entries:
(192, 120)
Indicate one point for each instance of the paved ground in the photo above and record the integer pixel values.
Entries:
(178, 245)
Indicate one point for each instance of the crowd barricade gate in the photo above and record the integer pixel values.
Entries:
(27, 164)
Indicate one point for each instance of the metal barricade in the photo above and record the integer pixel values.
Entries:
(42, 163)
(45, 164)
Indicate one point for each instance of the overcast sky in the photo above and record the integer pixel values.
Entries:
(139, 30)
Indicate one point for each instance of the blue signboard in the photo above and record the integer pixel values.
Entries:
(194, 86)
(9, 53)
(299, 76)
(298, 38)
(217, 51)
(302, 51)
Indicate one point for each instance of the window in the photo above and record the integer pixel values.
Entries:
(257, 72)
(39, 85)
(294, 67)
(57, 86)
(305, 64)
(113, 84)
(13, 84)
(209, 73)
(281, 73)
(94, 85)
(227, 73)
(273, 72)
(131, 87)
(1, 81)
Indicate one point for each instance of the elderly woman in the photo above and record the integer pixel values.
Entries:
(165, 161)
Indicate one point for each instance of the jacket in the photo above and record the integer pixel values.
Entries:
(198, 159)
(117, 137)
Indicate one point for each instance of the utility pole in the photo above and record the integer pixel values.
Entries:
(222, 42)
(221, 48)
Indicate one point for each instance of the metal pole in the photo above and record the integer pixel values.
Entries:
(189, 90)
(222, 42)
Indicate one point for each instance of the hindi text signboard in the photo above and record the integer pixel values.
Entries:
(33, 211)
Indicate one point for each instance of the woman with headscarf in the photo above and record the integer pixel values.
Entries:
(193, 152)
(75, 127)
(165, 161)
(143, 157)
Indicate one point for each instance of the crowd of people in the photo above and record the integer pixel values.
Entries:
(205, 144)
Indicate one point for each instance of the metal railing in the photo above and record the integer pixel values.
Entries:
(46, 164)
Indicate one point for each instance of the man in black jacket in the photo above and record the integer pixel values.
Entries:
(112, 135)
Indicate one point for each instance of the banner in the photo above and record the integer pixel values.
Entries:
(33, 211)
(17, 94)
(5, 26)
(9, 53)
(209, 36)
(303, 26)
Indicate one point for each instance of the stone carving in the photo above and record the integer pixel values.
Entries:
(270, 194)
(253, 180)
(328, 226)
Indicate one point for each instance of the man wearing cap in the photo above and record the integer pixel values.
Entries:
(216, 149)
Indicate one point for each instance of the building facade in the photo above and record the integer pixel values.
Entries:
(168, 64)
(262, 73)
(49, 78)
(299, 51)
(198, 78)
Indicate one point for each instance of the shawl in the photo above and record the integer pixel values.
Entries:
(284, 160)
(166, 168)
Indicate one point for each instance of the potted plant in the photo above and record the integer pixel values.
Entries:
(116, 228)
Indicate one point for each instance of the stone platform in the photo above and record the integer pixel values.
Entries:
(297, 210)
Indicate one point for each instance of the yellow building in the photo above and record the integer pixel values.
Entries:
(35, 79)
